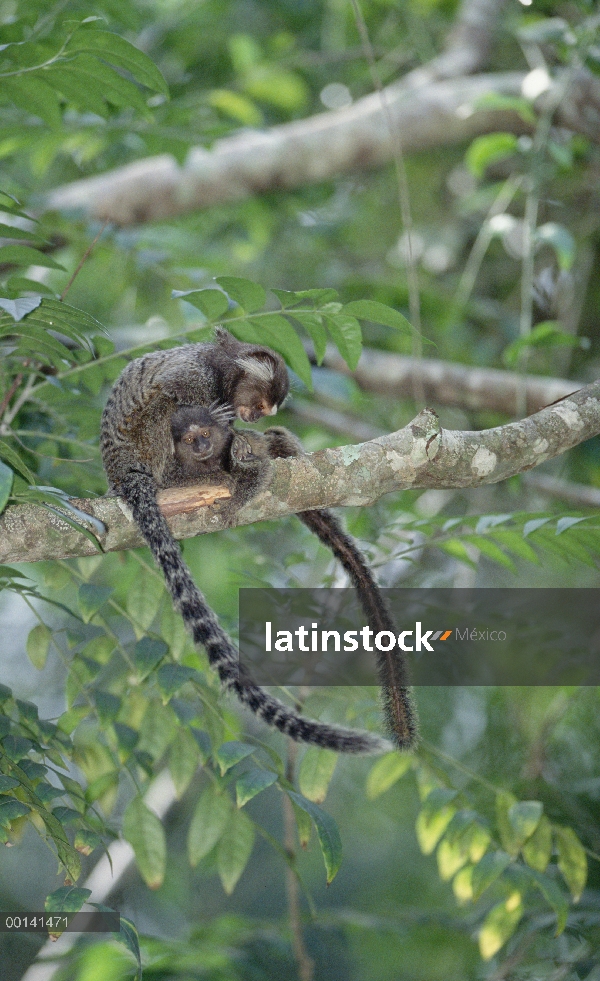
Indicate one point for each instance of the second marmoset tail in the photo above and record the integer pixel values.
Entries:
(151, 438)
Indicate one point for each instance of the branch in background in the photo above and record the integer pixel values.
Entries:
(483, 389)
(314, 149)
(418, 456)
(578, 494)
(294, 154)
(317, 149)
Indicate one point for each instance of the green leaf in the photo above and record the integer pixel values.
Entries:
(13, 231)
(66, 899)
(378, 313)
(87, 841)
(236, 106)
(513, 542)
(127, 738)
(386, 772)
(102, 79)
(537, 851)
(524, 817)
(462, 884)
(303, 824)
(34, 96)
(145, 833)
(10, 810)
(560, 239)
(6, 483)
(172, 677)
(499, 925)
(184, 758)
(24, 255)
(554, 897)
(284, 89)
(250, 296)
(143, 598)
(147, 653)
(251, 783)
(91, 598)
(450, 858)
(490, 149)
(8, 454)
(313, 325)
(107, 705)
(127, 935)
(487, 871)
(316, 771)
(458, 550)
(159, 727)
(346, 335)
(208, 823)
(38, 642)
(212, 303)
(231, 753)
(572, 860)
(490, 550)
(7, 783)
(327, 831)
(434, 817)
(508, 837)
(234, 849)
(85, 97)
(546, 334)
(115, 49)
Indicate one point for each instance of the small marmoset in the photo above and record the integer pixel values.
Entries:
(194, 432)
(136, 442)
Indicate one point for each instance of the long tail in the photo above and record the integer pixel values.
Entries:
(140, 494)
(398, 704)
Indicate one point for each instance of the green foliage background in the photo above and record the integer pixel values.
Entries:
(469, 859)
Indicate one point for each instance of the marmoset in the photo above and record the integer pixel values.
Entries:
(204, 446)
(137, 449)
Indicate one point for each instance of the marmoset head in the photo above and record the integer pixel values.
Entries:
(199, 433)
(260, 384)
(263, 386)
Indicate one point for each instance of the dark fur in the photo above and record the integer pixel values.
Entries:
(137, 452)
(249, 474)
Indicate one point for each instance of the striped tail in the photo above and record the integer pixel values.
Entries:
(139, 491)
(397, 699)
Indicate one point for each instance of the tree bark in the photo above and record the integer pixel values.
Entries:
(421, 455)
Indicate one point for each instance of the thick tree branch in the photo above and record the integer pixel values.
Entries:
(420, 455)
(460, 385)
(288, 156)
(320, 148)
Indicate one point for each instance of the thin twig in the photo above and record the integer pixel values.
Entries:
(414, 302)
(306, 966)
(82, 261)
(480, 246)
(16, 382)
(10, 414)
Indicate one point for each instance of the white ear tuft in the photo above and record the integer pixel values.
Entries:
(258, 367)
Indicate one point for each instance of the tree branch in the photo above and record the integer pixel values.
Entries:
(320, 148)
(421, 455)
(464, 386)
(288, 156)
